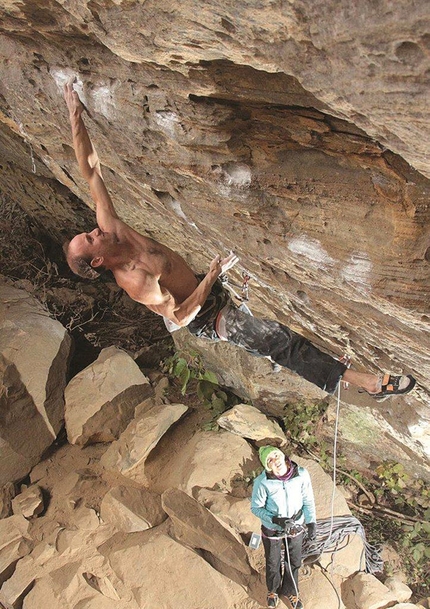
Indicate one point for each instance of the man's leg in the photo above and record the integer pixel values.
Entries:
(285, 347)
(291, 350)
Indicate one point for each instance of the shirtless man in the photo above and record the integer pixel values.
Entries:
(160, 279)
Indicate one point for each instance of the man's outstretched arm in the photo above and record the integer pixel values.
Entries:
(88, 160)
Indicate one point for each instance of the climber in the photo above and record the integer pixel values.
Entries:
(159, 278)
(283, 499)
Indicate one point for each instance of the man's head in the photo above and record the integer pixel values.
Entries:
(273, 459)
(86, 253)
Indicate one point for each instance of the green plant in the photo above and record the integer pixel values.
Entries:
(300, 421)
(411, 494)
(189, 368)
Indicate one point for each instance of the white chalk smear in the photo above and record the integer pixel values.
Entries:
(167, 121)
(176, 207)
(312, 250)
(237, 174)
(103, 101)
(358, 270)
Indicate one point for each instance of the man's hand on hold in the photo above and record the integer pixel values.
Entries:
(229, 262)
(222, 265)
(73, 102)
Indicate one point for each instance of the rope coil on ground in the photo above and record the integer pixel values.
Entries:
(333, 535)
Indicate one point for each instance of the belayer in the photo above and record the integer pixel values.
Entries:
(159, 278)
(283, 499)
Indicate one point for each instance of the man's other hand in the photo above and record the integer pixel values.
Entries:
(73, 102)
(229, 262)
(220, 265)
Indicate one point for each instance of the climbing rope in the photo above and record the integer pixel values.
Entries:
(333, 535)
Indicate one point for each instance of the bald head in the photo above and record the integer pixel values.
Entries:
(79, 258)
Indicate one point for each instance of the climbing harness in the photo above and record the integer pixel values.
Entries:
(293, 530)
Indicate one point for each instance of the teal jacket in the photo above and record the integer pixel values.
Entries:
(273, 497)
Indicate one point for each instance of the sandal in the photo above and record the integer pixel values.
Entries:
(391, 386)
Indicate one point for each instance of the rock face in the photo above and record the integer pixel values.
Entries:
(294, 133)
(34, 351)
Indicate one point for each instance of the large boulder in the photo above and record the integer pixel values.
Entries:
(197, 527)
(127, 455)
(249, 422)
(364, 591)
(34, 351)
(101, 399)
(210, 460)
(183, 578)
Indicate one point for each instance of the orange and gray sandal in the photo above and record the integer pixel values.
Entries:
(391, 386)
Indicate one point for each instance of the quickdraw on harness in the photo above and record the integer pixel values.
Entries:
(244, 287)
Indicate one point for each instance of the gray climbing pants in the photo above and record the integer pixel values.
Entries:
(285, 347)
(266, 338)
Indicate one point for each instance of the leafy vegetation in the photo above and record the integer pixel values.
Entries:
(188, 369)
(300, 421)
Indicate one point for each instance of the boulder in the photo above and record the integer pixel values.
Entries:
(367, 592)
(210, 460)
(131, 509)
(101, 399)
(183, 578)
(29, 502)
(197, 527)
(15, 543)
(127, 455)
(34, 351)
(401, 591)
(249, 422)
